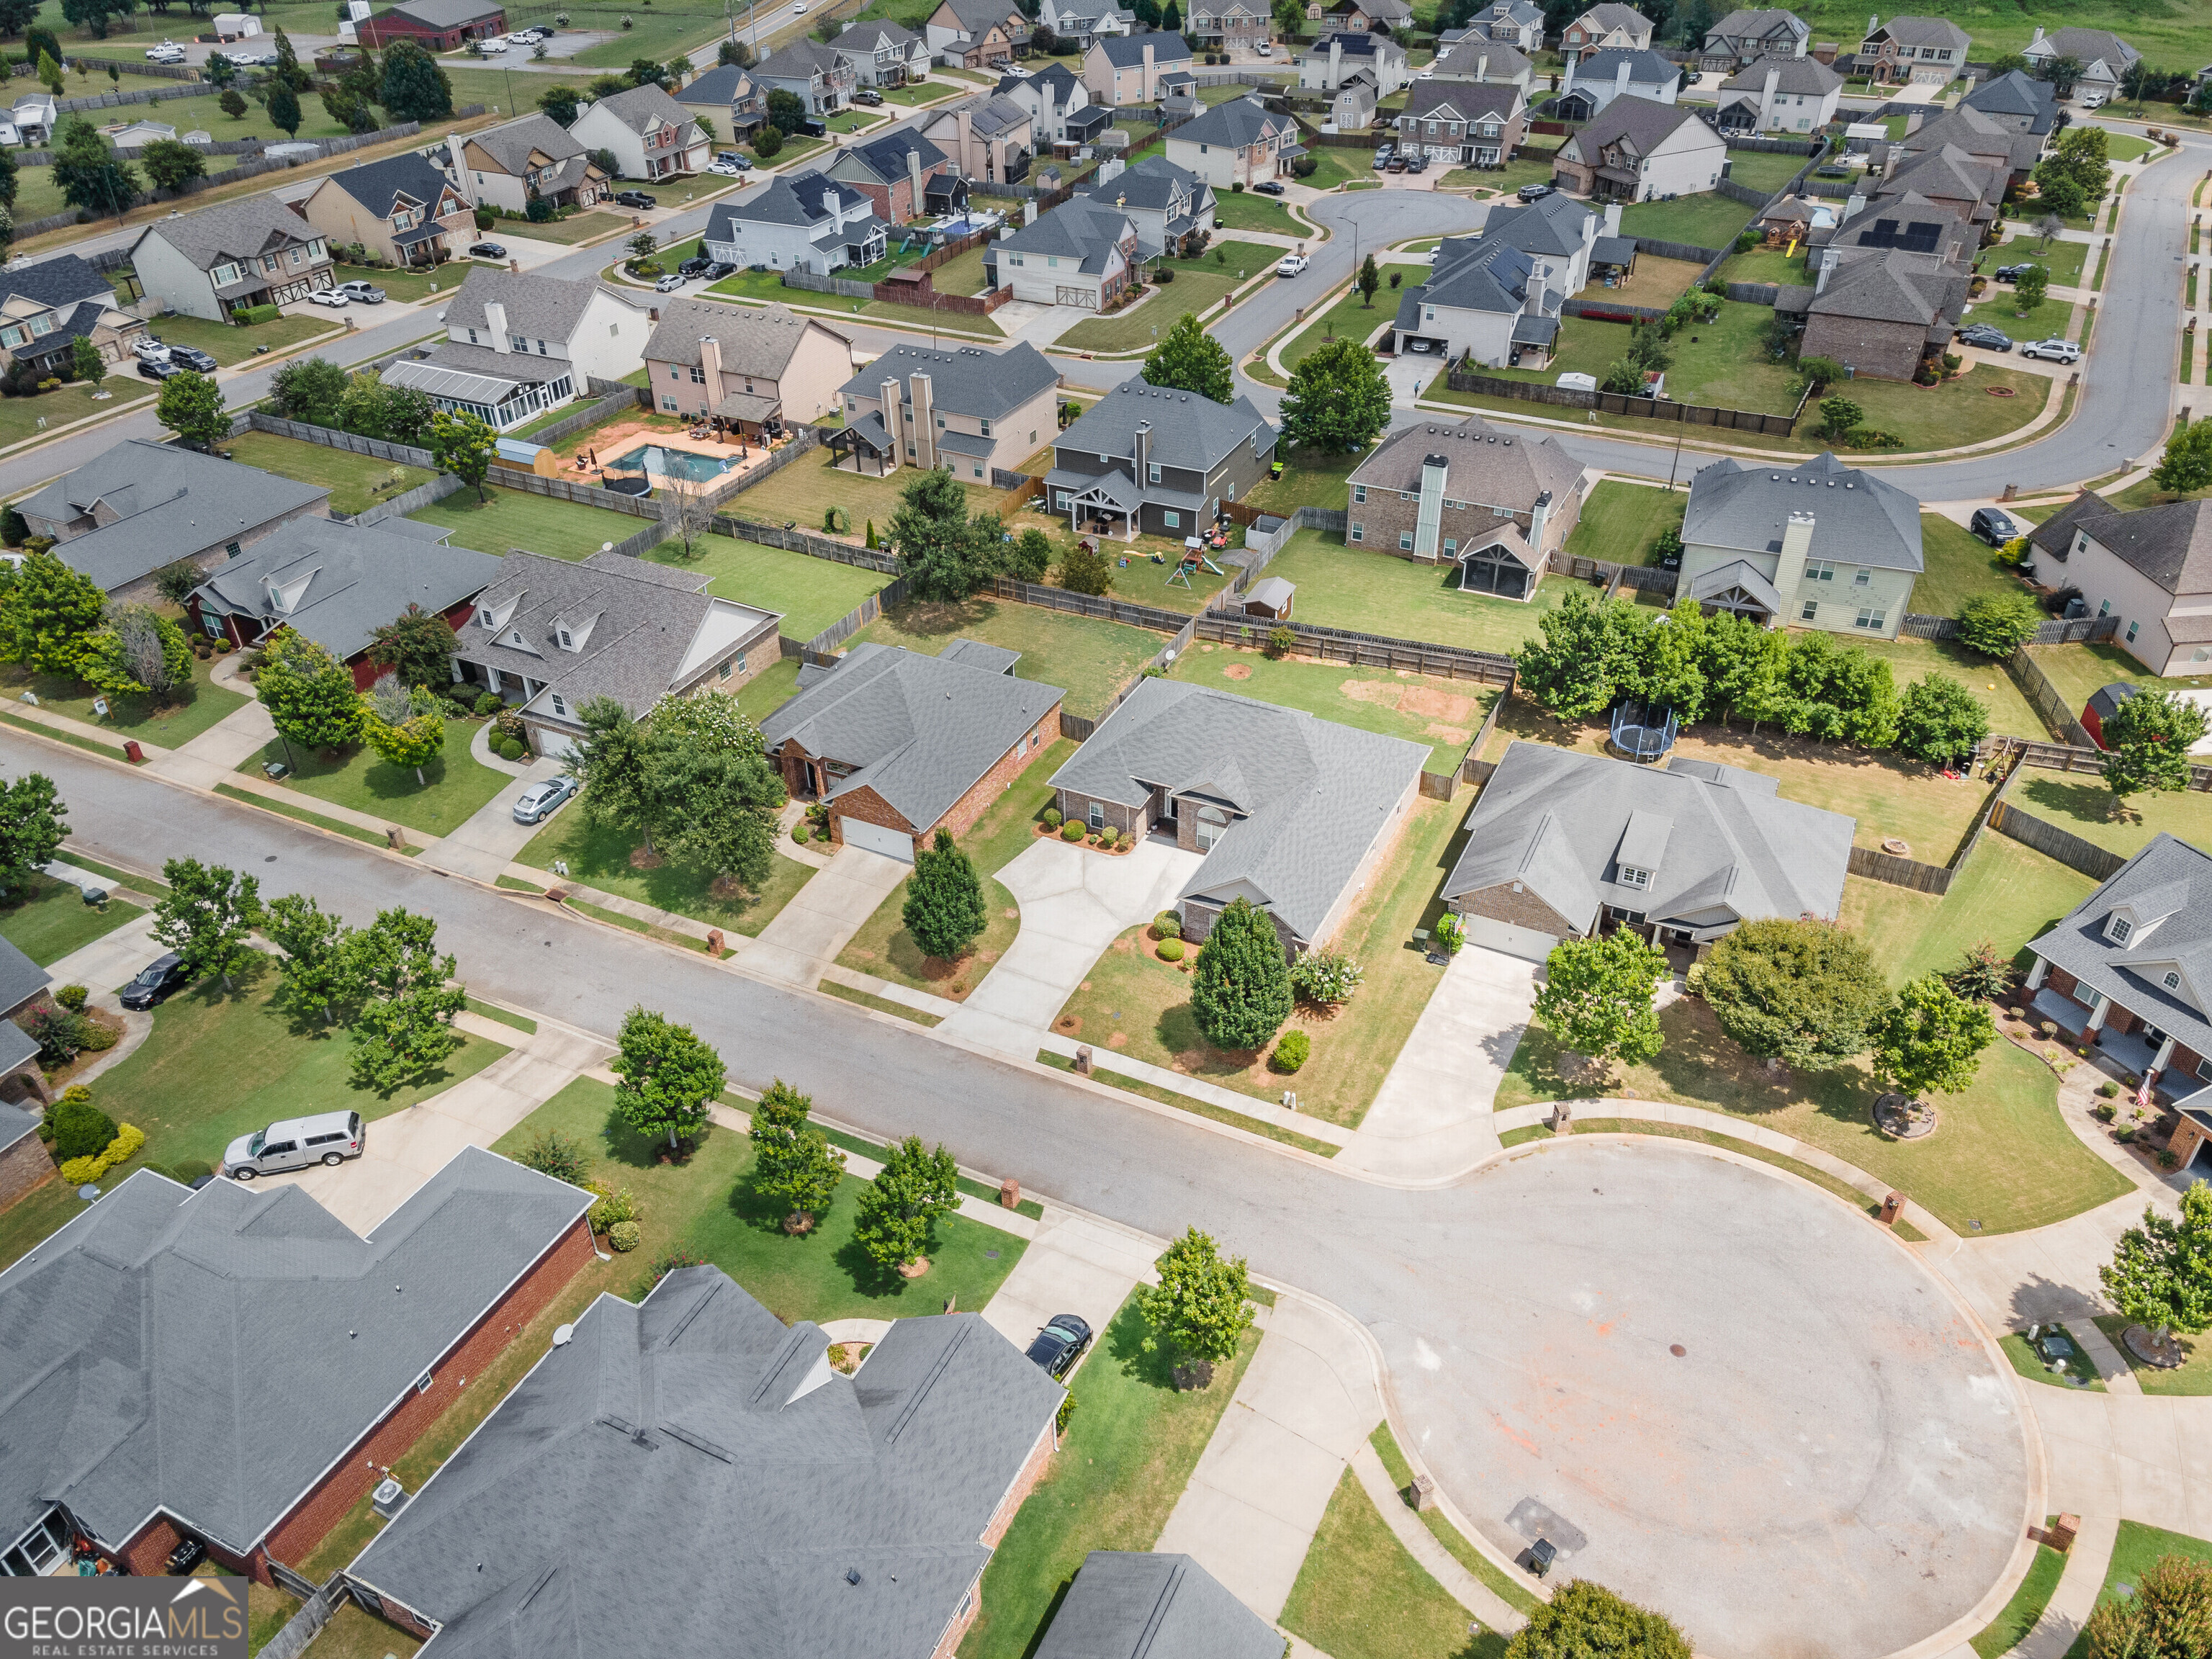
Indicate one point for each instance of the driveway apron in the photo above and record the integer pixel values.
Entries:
(807, 933)
(491, 839)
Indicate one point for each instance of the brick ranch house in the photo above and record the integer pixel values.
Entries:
(239, 1367)
(901, 745)
(25, 1162)
(688, 1471)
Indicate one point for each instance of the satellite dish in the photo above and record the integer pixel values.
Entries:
(561, 1335)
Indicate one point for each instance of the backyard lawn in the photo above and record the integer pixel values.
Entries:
(1709, 219)
(2078, 672)
(2082, 805)
(1440, 714)
(1655, 282)
(810, 593)
(560, 530)
(802, 493)
(1341, 585)
(769, 690)
(455, 784)
(1127, 1456)
(1360, 1594)
(1766, 170)
(2011, 714)
(171, 725)
(46, 920)
(601, 857)
(1622, 522)
(1958, 567)
(356, 482)
(1766, 264)
(1197, 285)
(1088, 659)
(1310, 478)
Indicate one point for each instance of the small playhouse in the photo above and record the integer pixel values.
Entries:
(2103, 706)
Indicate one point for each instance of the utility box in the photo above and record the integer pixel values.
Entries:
(1892, 1207)
(389, 1498)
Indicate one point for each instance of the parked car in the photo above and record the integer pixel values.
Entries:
(1533, 193)
(367, 293)
(2008, 273)
(488, 250)
(1416, 164)
(1061, 1344)
(724, 169)
(294, 1143)
(328, 297)
(812, 127)
(158, 369)
(158, 978)
(527, 38)
(668, 284)
(1991, 525)
(151, 349)
(1396, 164)
(633, 198)
(1265, 49)
(2093, 100)
(1382, 154)
(1291, 265)
(540, 800)
(730, 158)
(2057, 351)
(694, 268)
(1990, 339)
(719, 269)
(869, 96)
(194, 358)
(490, 48)
(167, 53)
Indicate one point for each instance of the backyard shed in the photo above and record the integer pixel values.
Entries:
(1271, 597)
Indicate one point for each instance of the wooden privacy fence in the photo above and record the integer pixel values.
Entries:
(604, 406)
(1899, 872)
(2053, 632)
(2042, 696)
(803, 541)
(1613, 403)
(2096, 862)
(1439, 785)
(822, 649)
(2073, 757)
(1105, 608)
(1365, 650)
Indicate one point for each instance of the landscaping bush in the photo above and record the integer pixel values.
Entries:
(1280, 642)
(1072, 830)
(71, 997)
(1167, 925)
(766, 142)
(98, 1039)
(490, 703)
(623, 1236)
(1326, 977)
(1996, 624)
(185, 1171)
(58, 1033)
(1052, 819)
(2104, 1113)
(1108, 836)
(81, 1128)
(1291, 1050)
(483, 219)
(509, 749)
(800, 834)
(562, 1157)
(2108, 1089)
(77, 1171)
(1171, 949)
(613, 1209)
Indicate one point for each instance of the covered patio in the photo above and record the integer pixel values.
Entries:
(1737, 587)
(1100, 497)
(2137, 1053)
(865, 439)
(1495, 568)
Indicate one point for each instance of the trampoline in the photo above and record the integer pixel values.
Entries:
(1643, 735)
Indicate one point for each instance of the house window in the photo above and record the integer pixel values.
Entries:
(2106, 609)
(1097, 815)
(567, 644)
(1172, 521)
(2173, 981)
(231, 550)
(1632, 876)
(698, 375)
(1868, 617)
(560, 705)
(2131, 632)
(422, 1383)
(1863, 579)
(1358, 532)
(2117, 930)
(668, 404)
(1359, 493)
(1811, 606)
(1451, 545)
(1405, 541)
(1819, 570)
(1152, 471)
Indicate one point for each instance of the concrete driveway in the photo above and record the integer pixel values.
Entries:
(806, 934)
(1075, 902)
(490, 840)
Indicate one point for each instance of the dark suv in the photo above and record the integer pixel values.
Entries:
(633, 198)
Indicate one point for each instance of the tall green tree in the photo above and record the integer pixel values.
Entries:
(417, 646)
(283, 108)
(311, 390)
(1939, 721)
(316, 974)
(1931, 1039)
(137, 652)
(1673, 674)
(32, 822)
(309, 693)
(207, 917)
(945, 911)
(1596, 996)
(191, 405)
(794, 1166)
(1240, 987)
(1201, 1307)
(404, 727)
(1804, 991)
(670, 1077)
(288, 71)
(2078, 155)
(86, 361)
(2160, 1273)
(1191, 360)
(896, 1219)
(2185, 465)
(560, 104)
(623, 785)
(2147, 743)
(48, 615)
(1584, 1620)
(1743, 663)
(1588, 653)
(404, 1029)
(1337, 400)
(946, 554)
(724, 794)
(172, 165)
(465, 446)
(2029, 287)
(414, 87)
(87, 172)
(50, 71)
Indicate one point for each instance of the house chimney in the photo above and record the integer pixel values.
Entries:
(1336, 63)
(914, 179)
(1141, 450)
(1874, 23)
(888, 391)
(925, 422)
(495, 320)
(1539, 516)
(1482, 67)
(1612, 220)
(1789, 569)
(1620, 80)
(1766, 97)
(1429, 521)
(710, 359)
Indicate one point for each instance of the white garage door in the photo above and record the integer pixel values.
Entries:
(891, 843)
(1525, 942)
(552, 745)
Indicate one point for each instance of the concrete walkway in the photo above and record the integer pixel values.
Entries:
(807, 933)
(490, 839)
(2071, 1603)
(1074, 1264)
(233, 739)
(112, 960)
(1463, 1586)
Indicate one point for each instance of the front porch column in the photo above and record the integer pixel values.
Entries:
(2097, 1014)
(2036, 974)
(2165, 1053)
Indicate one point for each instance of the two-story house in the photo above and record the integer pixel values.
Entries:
(1780, 94)
(882, 54)
(1516, 23)
(1916, 51)
(1635, 150)
(516, 346)
(977, 33)
(818, 77)
(1345, 51)
(2010, 151)
(1172, 207)
(254, 251)
(1745, 35)
(403, 210)
(1237, 28)
(966, 408)
(1240, 142)
(800, 221)
(1157, 460)
(1083, 253)
(1478, 58)
(728, 97)
(758, 368)
(1364, 16)
(2152, 568)
(1080, 22)
(1596, 78)
(992, 141)
(1122, 70)
(1821, 545)
(1061, 109)
(2016, 100)
(508, 165)
(1497, 501)
(903, 175)
(647, 132)
(47, 308)
(1881, 312)
(2103, 57)
(1463, 124)
(1606, 25)
(1490, 302)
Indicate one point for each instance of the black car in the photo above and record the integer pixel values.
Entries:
(165, 975)
(1534, 192)
(156, 369)
(1268, 187)
(194, 358)
(2008, 273)
(633, 198)
(695, 267)
(812, 127)
(718, 270)
(1992, 527)
(1990, 339)
(1061, 1344)
(487, 251)
(869, 96)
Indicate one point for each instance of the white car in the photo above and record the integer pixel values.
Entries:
(1291, 265)
(167, 53)
(327, 296)
(2057, 351)
(799, 11)
(726, 169)
(527, 38)
(150, 349)
(2093, 100)
(490, 48)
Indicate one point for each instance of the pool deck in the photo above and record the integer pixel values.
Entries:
(622, 438)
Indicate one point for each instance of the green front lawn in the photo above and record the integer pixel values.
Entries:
(1958, 567)
(24, 418)
(405, 286)
(47, 919)
(1360, 1595)
(808, 593)
(356, 482)
(1341, 585)
(1129, 1451)
(2010, 1627)
(171, 725)
(2063, 260)
(560, 530)
(601, 859)
(1088, 659)
(2193, 1377)
(2007, 893)
(1245, 210)
(2080, 803)
(1622, 522)
(454, 785)
(1523, 169)
(228, 344)
(1501, 1583)
(1199, 284)
(2136, 1550)
(1764, 169)
(919, 92)
(1708, 220)
(577, 228)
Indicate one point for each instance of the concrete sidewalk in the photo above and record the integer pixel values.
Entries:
(490, 839)
(2071, 1604)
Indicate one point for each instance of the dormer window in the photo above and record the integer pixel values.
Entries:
(567, 643)
(2117, 930)
(2173, 981)
(1632, 876)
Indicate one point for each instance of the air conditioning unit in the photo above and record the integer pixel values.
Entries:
(389, 1498)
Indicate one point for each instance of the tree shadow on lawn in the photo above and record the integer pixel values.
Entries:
(934, 619)
(2085, 803)
(595, 854)
(621, 1144)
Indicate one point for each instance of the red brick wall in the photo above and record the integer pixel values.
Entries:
(1887, 351)
(869, 807)
(2062, 982)
(960, 817)
(1521, 909)
(22, 1166)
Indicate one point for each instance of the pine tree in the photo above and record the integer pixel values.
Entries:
(945, 911)
(283, 107)
(1240, 989)
(414, 87)
(947, 554)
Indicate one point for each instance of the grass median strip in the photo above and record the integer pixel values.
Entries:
(665, 935)
(881, 1005)
(1199, 1108)
(302, 815)
(135, 883)
(521, 1022)
(876, 1149)
(1361, 1595)
(1499, 1582)
(75, 739)
(2010, 1627)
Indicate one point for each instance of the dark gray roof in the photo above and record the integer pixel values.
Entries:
(15, 1049)
(1858, 517)
(380, 186)
(1733, 850)
(1489, 466)
(213, 1353)
(355, 581)
(886, 157)
(1155, 184)
(1556, 225)
(872, 36)
(1949, 172)
(1641, 123)
(1978, 134)
(1609, 16)
(171, 502)
(2055, 535)
(920, 730)
(1644, 66)
(718, 85)
(1310, 796)
(1127, 51)
(1907, 220)
(1499, 59)
(21, 978)
(1770, 24)
(966, 379)
(2171, 545)
(802, 60)
(235, 230)
(1613, 250)
(1892, 286)
(1357, 43)
(539, 307)
(638, 107)
(60, 281)
(1475, 276)
(1807, 76)
(1056, 81)
(1924, 32)
(976, 653)
(1465, 100)
(754, 339)
(510, 142)
(2090, 45)
(1193, 429)
(2018, 93)
(1127, 1606)
(449, 14)
(1235, 122)
(687, 1476)
(977, 15)
(1082, 228)
(793, 199)
(2167, 889)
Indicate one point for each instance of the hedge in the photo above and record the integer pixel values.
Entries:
(80, 1171)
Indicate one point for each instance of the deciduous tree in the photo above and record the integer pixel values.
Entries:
(1583, 1620)
(560, 104)
(1931, 1039)
(310, 389)
(1997, 624)
(622, 788)
(794, 1166)
(417, 646)
(709, 764)
(315, 975)
(1939, 721)
(86, 361)
(1191, 360)
(207, 917)
(1597, 997)
(48, 615)
(1805, 992)
(896, 1219)
(414, 87)
(404, 727)
(32, 822)
(2186, 466)
(1586, 654)
(309, 693)
(1240, 988)
(465, 446)
(1086, 570)
(945, 911)
(172, 165)
(404, 1029)
(1201, 1307)
(138, 651)
(191, 405)
(669, 1077)
(1337, 400)
(2160, 1273)
(1032, 556)
(2169, 1616)
(2147, 744)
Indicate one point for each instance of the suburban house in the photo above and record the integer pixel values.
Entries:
(1745, 36)
(1126, 68)
(1597, 78)
(253, 251)
(1883, 312)
(2103, 57)
(1928, 51)
(1080, 22)
(1238, 142)
(1780, 95)
(1634, 150)
(517, 346)
(900, 745)
(336, 584)
(2121, 971)
(141, 505)
(550, 636)
(1463, 124)
(759, 367)
(1237, 27)
(818, 77)
(882, 54)
(1496, 502)
(1608, 25)
(1971, 186)
(821, 1512)
(647, 132)
(1124, 1605)
(1059, 106)
(1486, 302)
(1159, 460)
(727, 96)
(977, 33)
(506, 165)
(1369, 16)
(1561, 845)
(1169, 205)
(234, 1366)
(1822, 545)
(903, 175)
(1907, 220)
(2018, 100)
(403, 210)
(1478, 59)
(2009, 153)
(1293, 813)
(436, 26)
(1083, 253)
(990, 141)
(47, 308)
(798, 223)
(1557, 229)
(1328, 61)
(31, 121)
(2152, 568)
(1517, 22)
(22, 1081)
(965, 408)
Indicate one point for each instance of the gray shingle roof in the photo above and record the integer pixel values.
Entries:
(1500, 60)
(1859, 517)
(871, 37)
(1555, 226)
(1127, 1606)
(60, 281)
(212, 1353)
(977, 15)
(1197, 432)
(2016, 92)
(1608, 16)
(1311, 795)
(638, 107)
(688, 1474)
(1807, 76)
(510, 142)
(1490, 466)
(718, 85)
(235, 230)
(793, 199)
(1733, 849)
(14, 1122)
(1644, 66)
(967, 379)
(1927, 32)
(2090, 45)
(1235, 122)
(1641, 123)
(886, 157)
(2055, 535)
(2169, 878)
(1056, 84)
(754, 339)
(1082, 228)
(1892, 286)
(171, 502)
(1748, 24)
(1948, 172)
(379, 186)
(1127, 51)
(1153, 184)
(538, 306)
(802, 60)
(920, 730)
(1463, 101)
(21, 978)
(2171, 545)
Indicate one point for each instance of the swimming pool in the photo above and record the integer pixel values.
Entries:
(670, 462)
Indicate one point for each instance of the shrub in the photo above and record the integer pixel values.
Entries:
(1329, 976)
(96, 1038)
(613, 1209)
(489, 704)
(483, 219)
(1291, 1050)
(1072, 830)
(2104, 1113)
(185, 1171)
(1052, 819)
(2108, 1089)
(1167, 925)
(1164, 275)
(2168, 1158)
(71, 997)
(800, 834)
(224, 648)
(1108, 836)
(1995, 624)
(248, 316)
(1067, 1410)
(1237, 189)
(509, 749)
(562, 1157)
(81, 1128)
(1280, 642)
(77, 1171)
(1171, 949)
(767, 141)
(623, 1236)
